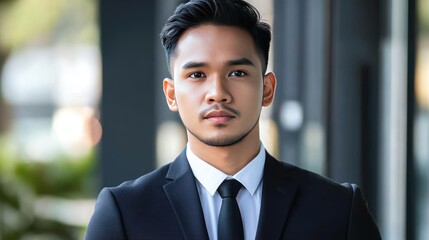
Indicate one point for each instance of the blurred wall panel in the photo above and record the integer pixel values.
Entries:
(327, 63)
(128, 110)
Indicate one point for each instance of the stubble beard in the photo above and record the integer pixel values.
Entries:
(226, 140)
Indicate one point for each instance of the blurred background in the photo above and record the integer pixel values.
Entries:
(81, 104)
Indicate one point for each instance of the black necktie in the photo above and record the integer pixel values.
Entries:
(230, 226)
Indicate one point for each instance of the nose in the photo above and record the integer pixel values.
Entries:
(217, 91)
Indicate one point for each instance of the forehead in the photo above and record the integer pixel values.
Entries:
(214, 44)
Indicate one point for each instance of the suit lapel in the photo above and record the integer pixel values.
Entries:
(183, 196)
(277, 196)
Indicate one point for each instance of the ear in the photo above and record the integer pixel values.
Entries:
(170, 96)
(269, 89)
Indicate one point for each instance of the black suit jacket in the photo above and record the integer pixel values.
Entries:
(296, 204)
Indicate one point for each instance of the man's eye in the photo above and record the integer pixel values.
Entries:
(197, 75)
(238, 74)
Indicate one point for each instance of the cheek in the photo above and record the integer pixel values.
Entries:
(250, 94)
(187, 99)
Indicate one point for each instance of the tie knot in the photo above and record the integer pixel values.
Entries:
(229, 188)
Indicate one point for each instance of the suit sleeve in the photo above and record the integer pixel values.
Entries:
(361, 223)
(106, 222)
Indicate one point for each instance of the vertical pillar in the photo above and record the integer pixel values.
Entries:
(128, 69)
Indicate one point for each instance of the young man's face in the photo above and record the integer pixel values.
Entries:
(218, 86)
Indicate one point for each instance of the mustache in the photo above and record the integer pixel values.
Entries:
(219, 107)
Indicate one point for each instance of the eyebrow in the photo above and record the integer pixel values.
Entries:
(240, 61)
(193, 64)
(234, 62)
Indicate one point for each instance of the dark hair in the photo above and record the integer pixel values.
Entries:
(236, 13)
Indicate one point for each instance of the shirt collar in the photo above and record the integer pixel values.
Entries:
(211, 178)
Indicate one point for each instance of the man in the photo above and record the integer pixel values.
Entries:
(217, 54)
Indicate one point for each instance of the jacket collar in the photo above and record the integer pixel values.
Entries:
(183, 196)
(278, 193)
(277, 196)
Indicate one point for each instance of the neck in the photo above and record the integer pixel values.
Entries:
(228, 159)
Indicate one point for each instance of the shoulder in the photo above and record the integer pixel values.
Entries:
(151, 182)
(134, 208)
(149, 188)
(133, 199)
(318, 194)
(311, 188)
(304, 178)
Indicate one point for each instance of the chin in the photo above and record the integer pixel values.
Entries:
(221, 141)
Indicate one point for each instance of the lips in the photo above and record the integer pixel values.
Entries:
(218, 116)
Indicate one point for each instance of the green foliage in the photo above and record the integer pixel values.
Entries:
(17, 218)
(23, 181)
(63, 177)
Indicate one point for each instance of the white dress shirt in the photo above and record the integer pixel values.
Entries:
(209, 179)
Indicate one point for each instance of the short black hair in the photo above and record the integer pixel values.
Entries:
(236, 13)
